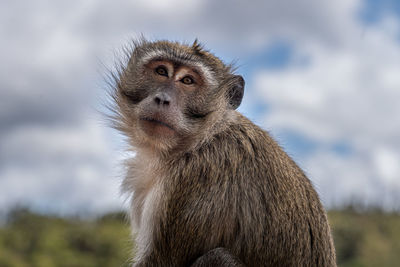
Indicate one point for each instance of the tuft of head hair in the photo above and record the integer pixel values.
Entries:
(197, 47)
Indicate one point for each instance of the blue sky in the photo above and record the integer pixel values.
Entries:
(322, 77)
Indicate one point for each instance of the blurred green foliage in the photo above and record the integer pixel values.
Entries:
(367, 238)
(29, 239)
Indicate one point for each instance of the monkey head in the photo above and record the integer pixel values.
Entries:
(170, 95)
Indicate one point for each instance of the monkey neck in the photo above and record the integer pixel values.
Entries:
(217, 124)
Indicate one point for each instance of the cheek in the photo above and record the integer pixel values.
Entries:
(189, 88)
(138, 94)
(196, 111)
(134, 97)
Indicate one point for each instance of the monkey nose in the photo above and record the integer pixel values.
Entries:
(162, 99)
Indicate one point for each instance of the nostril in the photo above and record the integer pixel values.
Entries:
(162, 99)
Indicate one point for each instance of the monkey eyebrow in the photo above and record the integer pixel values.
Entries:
(176, 63)
(196, 71)
(154, 59)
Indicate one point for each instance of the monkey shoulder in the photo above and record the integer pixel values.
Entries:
(234, 166)
(248, 140)
(248, 158)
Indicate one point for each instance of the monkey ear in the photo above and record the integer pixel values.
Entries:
(235, 93)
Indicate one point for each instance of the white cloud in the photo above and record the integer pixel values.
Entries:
(54, 155)
(60, 169)
(349, 93)
(387, 165)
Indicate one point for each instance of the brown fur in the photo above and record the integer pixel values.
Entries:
(219, 191)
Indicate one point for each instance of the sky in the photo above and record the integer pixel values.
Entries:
(322, 77)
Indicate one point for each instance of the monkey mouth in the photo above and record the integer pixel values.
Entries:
(157, 122)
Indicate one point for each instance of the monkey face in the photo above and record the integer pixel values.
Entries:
(167, 95)
(169, 86)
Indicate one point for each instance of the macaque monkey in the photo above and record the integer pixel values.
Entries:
(208, 187)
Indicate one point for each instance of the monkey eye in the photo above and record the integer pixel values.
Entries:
(161, 70)
(187, 80)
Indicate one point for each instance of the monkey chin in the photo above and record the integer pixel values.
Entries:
(156, 129)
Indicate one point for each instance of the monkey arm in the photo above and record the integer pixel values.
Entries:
(221, 257)
(190, 241)
(218, 257)
(197, 222)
